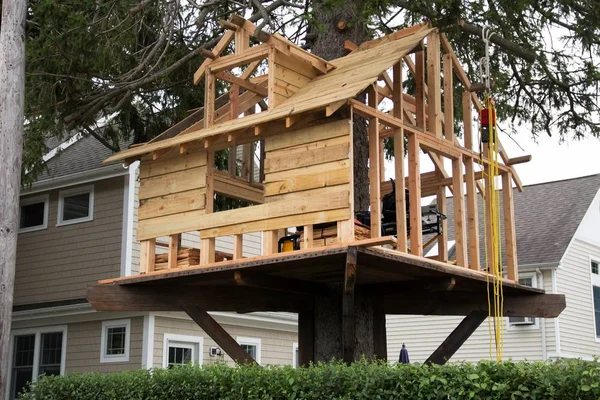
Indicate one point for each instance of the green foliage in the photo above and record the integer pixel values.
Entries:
(572, 379)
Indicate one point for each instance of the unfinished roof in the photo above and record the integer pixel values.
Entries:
(352, 75)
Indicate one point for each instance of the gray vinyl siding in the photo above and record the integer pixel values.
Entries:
(423, 334)
(576, 323)
(276, 345)
(83, 348)
(58, 263)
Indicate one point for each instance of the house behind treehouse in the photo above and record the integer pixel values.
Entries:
(301, 144)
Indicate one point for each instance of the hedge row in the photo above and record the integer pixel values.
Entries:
(561, 380)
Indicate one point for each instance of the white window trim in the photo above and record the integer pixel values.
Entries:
(594, 281)
(72, 192)
(197, 341)
(32, 200)
(114, 358)
(294, 357)
(36, 353)
(536, 324)
(253, 342)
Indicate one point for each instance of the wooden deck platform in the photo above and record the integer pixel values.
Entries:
(401, 283)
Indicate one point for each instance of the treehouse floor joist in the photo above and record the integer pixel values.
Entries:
(392, 282)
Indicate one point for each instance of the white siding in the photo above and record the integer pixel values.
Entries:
(577, 332)
(276, 345)
(423, 334)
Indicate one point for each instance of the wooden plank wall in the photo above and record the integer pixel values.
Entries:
(172, 192)
(290, 75)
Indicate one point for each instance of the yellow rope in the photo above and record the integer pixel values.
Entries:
(493, 260)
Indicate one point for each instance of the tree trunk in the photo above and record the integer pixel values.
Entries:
(329, 44)
(12, 98)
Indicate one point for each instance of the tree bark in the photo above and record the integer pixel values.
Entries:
(12, 98)
(329, 44)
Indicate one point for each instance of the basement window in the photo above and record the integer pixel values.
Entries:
(34, 214)
(115, 341)
(251, 346)
(76, 205)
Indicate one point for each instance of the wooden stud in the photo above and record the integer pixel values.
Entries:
(219, 335)
(399, 159)
(348, 330)
(209, 99)
(308, 236)
(472, 213)
(207, 245)
(147, 255)
(242, 41)
(414, 191)
(460, 235)
(173, 250)
(510, 235)
(457, 338)
(269, 242)
(272, 72)
(448, 98)
(518, 160)
(434, 84)
(381, 160)
(238, 246)
(420, 88)
(374, 167)
(443, 237)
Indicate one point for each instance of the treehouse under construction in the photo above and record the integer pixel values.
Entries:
(288, 116)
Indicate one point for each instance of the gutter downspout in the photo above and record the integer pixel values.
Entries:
(556, 324)
(540, 279)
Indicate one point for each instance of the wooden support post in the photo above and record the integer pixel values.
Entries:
(219, 335)
(434, 98)
(238, 246)
(448, 98)
(348, 330)
(345, 232)
(173, 250)
(414, 192)
(420, 88)
(374, 167)
(308, 236)
(147, 255)
(207, 245)
(209, 99)
(457, 338)
(306, 336)
(472, 214)
(399, 160)
(460, 236)
(510, 235)
(269, 243)
(272, 66)
(443, 238)
(381, 160)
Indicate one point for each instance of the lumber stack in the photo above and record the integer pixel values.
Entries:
(187, 258)
(327, 235)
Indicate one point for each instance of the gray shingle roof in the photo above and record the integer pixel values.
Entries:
(84, 155)
(546, 218)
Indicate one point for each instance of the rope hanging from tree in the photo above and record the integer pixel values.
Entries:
(493, 257)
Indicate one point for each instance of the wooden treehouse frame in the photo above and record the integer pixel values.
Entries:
(303, 140)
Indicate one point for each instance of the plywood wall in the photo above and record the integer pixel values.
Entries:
(172, 192)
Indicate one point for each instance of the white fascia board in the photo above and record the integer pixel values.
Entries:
(109, 171)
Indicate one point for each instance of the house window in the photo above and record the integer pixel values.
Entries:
(596, 295)
(295, 355)
(115, 341)
(76, 205)
(182, 350)
(36, 353)
(34, 214)
(524, 280)
(251, 346)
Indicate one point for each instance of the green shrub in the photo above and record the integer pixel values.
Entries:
(572, 379)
